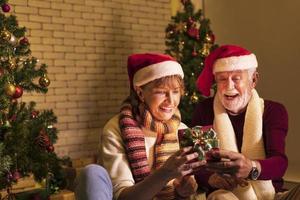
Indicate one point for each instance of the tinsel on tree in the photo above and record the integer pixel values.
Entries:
(27, 135)
(189, 39)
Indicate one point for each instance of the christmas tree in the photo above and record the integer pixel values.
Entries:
(26, 134)
(189, 39)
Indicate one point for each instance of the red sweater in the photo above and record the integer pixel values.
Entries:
(275, 127)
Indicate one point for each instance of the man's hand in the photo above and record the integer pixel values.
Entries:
(232, 163)
(185, 186)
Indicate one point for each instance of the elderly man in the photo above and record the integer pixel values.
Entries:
(251, 130)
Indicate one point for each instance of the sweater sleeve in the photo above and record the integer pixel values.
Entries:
(113, 157)
(275, 131)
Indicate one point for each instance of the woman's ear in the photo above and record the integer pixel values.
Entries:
(139, 93)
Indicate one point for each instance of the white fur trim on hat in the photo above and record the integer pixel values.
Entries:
(235, 63)
(156, 71)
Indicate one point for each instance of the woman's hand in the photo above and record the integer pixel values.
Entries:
(185, 186)
(182, 163)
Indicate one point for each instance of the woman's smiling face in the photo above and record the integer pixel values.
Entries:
(162, 98)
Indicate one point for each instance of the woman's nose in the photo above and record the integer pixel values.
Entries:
(170, 97)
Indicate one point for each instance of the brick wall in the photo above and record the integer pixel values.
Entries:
(85, 44)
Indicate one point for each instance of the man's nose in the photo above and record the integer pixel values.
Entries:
(229, 84)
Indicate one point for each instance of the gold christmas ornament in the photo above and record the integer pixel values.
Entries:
(205, 50)
(194, 98)
(5, 35)
(10, 89)
(44, 81)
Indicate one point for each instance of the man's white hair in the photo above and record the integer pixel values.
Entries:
(251, 71)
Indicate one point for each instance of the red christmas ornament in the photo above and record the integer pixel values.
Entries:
(194, 53)
(1, 71)
(213, 38)
(13, 118)
(34, 114)
(19, 92)
(190, 21)
(5, 7)
(16, 175)
(24, 41)
(193, 32)
(50, 148)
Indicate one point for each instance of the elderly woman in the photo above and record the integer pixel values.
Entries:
(139, 146)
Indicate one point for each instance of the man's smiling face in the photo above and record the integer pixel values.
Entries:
(234, 89)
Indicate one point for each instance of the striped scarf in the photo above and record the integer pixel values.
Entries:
(134, 139)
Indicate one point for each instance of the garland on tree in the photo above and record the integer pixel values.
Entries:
(189, 39)
(26, 134)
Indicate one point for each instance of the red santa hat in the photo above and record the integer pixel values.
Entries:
(224, 58)
(144, 68)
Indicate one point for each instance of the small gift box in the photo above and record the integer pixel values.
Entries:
(203, 140)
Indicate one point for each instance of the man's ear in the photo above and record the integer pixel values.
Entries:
(139, 93)
(255, 77)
